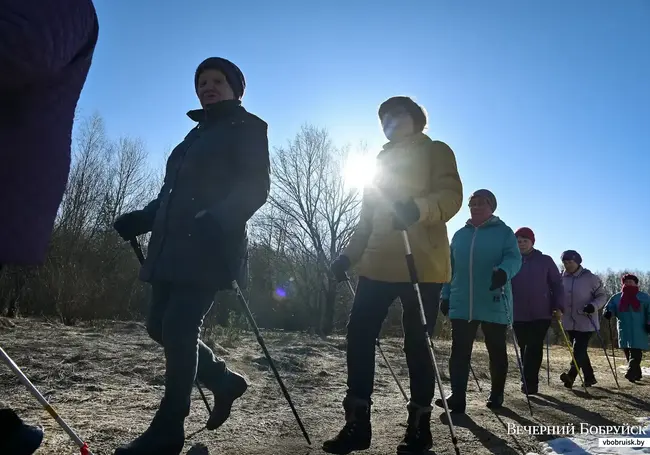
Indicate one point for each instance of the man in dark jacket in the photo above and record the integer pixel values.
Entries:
(215, 180)
(46, 49)
(538, 294)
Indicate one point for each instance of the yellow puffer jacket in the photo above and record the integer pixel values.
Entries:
(425, 170)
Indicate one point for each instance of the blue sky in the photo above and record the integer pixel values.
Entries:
(546, 103)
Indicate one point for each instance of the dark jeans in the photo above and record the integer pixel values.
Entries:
(463, 334)
(580, 343)
(370, 307)
(530, 337)
(174, 321)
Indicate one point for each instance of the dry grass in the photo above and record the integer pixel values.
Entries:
(106, 380)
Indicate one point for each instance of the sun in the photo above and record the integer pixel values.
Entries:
(359, 171)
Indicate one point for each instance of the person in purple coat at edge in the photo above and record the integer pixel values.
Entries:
(538, 294)
(46, 48)
(584, 295)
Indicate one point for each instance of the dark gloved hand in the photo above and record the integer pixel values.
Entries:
(132, 224)
(444, 307)
(406, 214)
(589, 309)
(499, 279)
(339, 268)
(647, 328)
(607, 315)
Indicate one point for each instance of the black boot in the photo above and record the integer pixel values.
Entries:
(417, 439)
(533, 389)
(165, 436)
(357, 432)
(455, 403)
(495, 400)
(226, 391)
(590, 381)
(567, 379)
(16, 437)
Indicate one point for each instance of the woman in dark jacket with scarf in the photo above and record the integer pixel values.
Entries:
(215, 180)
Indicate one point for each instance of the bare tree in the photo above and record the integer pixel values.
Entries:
(314, 214)
(86, 187)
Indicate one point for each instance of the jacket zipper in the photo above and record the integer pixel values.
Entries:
(471, 275)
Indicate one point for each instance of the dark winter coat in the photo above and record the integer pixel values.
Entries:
(46, 49)
(537, 289)
(222, 166)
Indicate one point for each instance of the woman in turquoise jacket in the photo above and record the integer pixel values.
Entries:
(484, 258)
(632, 309)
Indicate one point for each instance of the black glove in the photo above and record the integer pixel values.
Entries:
(406, 214)
(444, 307)
(607, 315)
(589, 309)
(499, 279)
(647, 328)
(339, 268)
(132, 224)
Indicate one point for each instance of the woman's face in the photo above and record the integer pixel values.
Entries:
(479, 208)
(570, 266)
(525, 245)
(213, 87)
(397, 124)
(629, 283)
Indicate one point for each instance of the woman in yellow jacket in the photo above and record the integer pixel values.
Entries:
(417, 187)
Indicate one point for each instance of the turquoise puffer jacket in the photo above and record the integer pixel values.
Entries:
(475, 253)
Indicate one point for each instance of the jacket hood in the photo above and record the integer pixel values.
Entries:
(579, 273)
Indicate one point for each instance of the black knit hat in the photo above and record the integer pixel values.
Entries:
(233, 74)
(416, 111)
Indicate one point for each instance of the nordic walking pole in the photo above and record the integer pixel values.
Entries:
(602, 344)
(516, 346)
(611, 337)
(140, 255)
(573, 357)
(548, 360)
(381, 351)
(410, 264)
(41, 399)
(260, 340)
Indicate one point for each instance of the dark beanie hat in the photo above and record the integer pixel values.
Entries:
(233, 74)
(572, 255)
(629, 276)
(526, 233)
(488, 195)
(416, 111)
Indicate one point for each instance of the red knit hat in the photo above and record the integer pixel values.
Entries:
(526, 233)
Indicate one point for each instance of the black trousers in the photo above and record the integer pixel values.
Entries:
(580, 343)
(370, 307)
(530, 337)
(174, 321)
(634, 358)
(463, 334)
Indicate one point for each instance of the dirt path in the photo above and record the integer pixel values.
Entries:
(106, 381)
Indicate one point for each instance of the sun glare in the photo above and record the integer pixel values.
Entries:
(359, 171)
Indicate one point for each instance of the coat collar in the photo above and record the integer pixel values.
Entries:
(214, 111)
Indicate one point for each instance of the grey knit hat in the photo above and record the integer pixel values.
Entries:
(488, 195)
